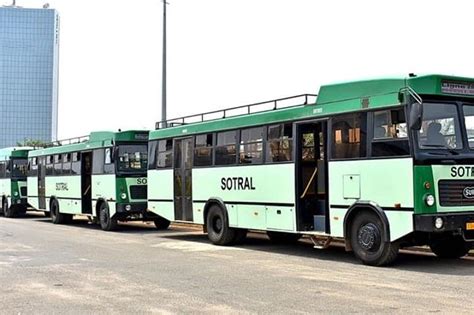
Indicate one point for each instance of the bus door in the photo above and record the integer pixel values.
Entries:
(42, 182)
(86, 182)
(311, 174)
(183, 161)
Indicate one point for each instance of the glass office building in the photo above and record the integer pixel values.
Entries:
(29, 42)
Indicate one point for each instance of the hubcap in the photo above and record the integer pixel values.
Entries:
(217, 224)
(369, 237)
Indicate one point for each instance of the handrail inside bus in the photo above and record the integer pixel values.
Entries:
(241, 110)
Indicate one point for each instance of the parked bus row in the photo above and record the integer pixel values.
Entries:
(382, 164)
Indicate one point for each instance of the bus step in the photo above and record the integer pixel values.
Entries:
(321, 242)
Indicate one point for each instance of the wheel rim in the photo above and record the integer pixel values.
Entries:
(369, 238)
(217, 224)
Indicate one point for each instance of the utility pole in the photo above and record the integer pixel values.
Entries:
(163, 89)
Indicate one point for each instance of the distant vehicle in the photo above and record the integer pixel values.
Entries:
(382, 164)
(102, 176)
(13, 167)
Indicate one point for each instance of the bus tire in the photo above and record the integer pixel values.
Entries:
(56, 216)
(450, 248)
(107, 223)
(218, 230)
(8, 212)
(161, 223)
(2, 210)
(367, 240)
(283, 238)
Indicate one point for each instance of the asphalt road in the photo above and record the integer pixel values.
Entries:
(46, 268)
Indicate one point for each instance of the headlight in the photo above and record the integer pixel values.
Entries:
(15, 193)
(128, 207)
(123, 196)
(430, 200)
(439, 222)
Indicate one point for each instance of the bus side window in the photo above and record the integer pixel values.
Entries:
(2, 169)
(349, 137)
(49, 165)
(33, 167)
(152, 154)
(279, 143)
(109, 167)
(390, 133)
(98, 161)
(58, 165)
(226, 151)
(76, 163)
(251, 145)
(203, 147)
(165, 154)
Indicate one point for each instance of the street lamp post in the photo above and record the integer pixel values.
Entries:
(163, 91)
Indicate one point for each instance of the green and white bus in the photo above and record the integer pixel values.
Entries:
(381, 164)
(13, 166)
(102, 176)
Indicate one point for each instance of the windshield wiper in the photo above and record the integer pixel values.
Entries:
(441, 146)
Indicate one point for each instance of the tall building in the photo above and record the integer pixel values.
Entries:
(29, 56)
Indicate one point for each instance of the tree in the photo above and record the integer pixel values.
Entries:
(32, 143)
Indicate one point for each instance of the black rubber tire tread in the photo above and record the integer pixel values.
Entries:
(387, 252)
(8, 212)
(283, 238)
(1, 208)
(161, 223)
(224, 237)
(106, 222)
(56, 216)
(450, 248)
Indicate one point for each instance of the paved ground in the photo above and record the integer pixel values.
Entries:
(46, 268)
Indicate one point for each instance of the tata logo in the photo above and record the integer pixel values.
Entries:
(468, 192)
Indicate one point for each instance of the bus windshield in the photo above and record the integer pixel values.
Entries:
(132, 158)
(19, 169)
(441, 127)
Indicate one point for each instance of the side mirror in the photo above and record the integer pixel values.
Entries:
(416, 116)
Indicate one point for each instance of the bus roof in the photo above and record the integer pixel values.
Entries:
(8, 153)
(332, 99)
(95, 140)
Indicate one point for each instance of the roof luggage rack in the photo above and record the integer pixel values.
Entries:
(239, 110)
(58, 143)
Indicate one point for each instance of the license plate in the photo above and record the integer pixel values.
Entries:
(470, 226)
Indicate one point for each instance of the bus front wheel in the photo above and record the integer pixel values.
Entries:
(367, 240)
(452, 247)
(107, 223)
(8, 212)
(161, 223)
(218, 230)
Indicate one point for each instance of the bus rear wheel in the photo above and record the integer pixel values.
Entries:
(451, 248)
(107, 223)
(218, 230)
(161, 223)
(367, 241)
(56, 216)
(283, 238)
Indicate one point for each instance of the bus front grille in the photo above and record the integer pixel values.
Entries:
(138, 192)
(456, 193)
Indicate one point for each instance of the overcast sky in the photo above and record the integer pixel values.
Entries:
(224, 53)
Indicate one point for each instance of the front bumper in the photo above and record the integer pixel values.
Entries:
(453, 222)
(20, 201)
(134, 211)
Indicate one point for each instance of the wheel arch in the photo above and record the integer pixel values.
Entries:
(214, 201)
(358, 207)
